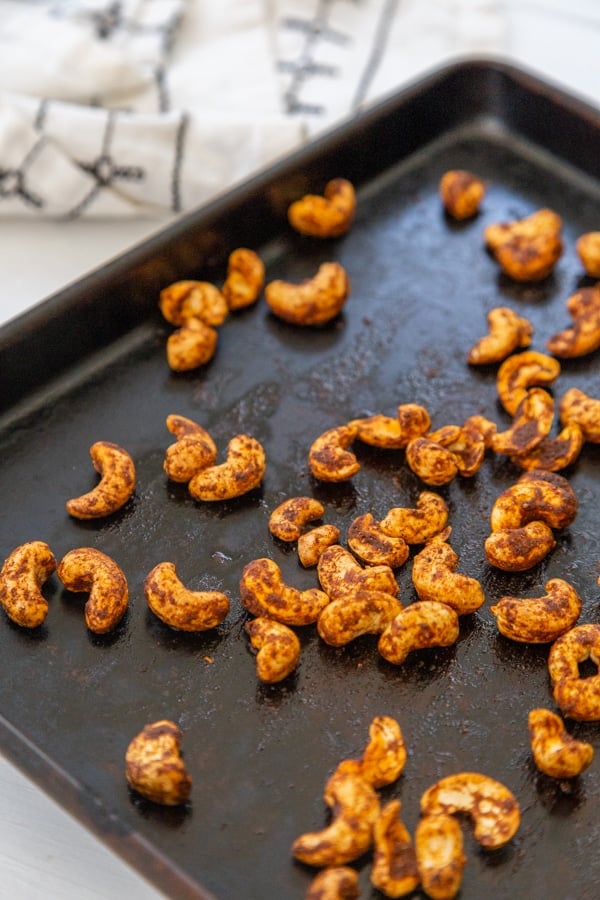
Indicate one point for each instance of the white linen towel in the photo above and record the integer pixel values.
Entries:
(121, 108)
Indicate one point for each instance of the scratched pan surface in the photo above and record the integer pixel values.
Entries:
(89, 364)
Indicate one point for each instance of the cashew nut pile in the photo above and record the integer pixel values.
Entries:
(435, 861)
(198, 308)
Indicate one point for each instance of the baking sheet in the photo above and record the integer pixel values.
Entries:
(89, 365)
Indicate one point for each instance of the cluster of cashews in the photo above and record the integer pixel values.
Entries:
(360, 823)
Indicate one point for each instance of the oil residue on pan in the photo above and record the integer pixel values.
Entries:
(260, 755)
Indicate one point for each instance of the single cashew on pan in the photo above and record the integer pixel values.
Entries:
(539, 620)
(88, 570)
(179, 607)
(365, 612)
(264, 593)
(553, 454)
(583, 336)
(288, 520)
(191, 346)
(329, 458)
(578, 408)
(341, 575)
(461, 193)
(315, 301)
(522, 371)
(588, 250)
(431, 462)
(245, 279)
(393, 432)
(368, 541)
(327, 216)
(116, 485)
(334, 883)
(577, 697)
(527, 249)
(193, 450)
(424, 624)
(491, 806)
(154, 766)
(439, 855)
(242, 471)
(507, 332)
(434, 577)
(185, 300)
(355, 808)
(22, 577)
(532, 422)
(384, 757)
(277, 646)
(556, 753)
(418, 525)
(312, 544)
(394, 870)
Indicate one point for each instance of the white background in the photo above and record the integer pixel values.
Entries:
(44, 853)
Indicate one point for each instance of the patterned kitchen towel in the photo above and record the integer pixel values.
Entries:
(113, 108)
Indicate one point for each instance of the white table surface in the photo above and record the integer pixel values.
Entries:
(44, 853)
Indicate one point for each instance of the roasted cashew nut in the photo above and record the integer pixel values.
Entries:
(179, 607)
(553, 454)
(393, 433)
(87, 570)
(539, 620)
(578, 408)
(334, 883)
(315, 301)
(394, 870)
(329, 458)
(154, 767)
(365, 612)
(435, 578)
(185, 300)
(424, 624)
(439, 853)
(492, 807)
(431, 462)
(312, 544)
(384, 757)
(368, 541)
(556, 753)
(242, 471)
(278, 649)
(507, 332)
(583, 336)
(191, 346)
(193, 450)
(416, 526)
(327, 216)
(245, 278)
(527, 249)
(588, 250)
(577, 697)
(288, 520)
(532, 422)
(461, 193)
(486, 428)
(22, 576)
(466, 444)
(264, 593)
(519, 549)
(116, 485)
(341, 575)
(537, 496)
(522, 371)
(355, 808)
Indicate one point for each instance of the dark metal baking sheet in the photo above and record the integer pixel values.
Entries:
(89, 364)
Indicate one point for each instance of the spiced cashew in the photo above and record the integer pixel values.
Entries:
(329, 458)
(435, 577)
(539, 620)
(491, 805)
(88, 570)
(191, 345)
(178, 606)
(583, 336)
(527, 249)
(461, 193)
(556, 753)
(193, 450)
(185, 300)
(242, 471)
(116, 485)
(264, 593)
(577, 697)
(365, 612)
(578, 408)
(288, 520)
(328, 215)
(245, 278)
(394, 871)
(22, 577)
(522, 371)
(439, 855)
(154, 766)
(532, 422)
(277, 646)
(368, 541)
(341, 575)
(315, 301)
(334, 883)
(507, 332)
(418, 525)
(312, 544)
(423, 624)
(588, 250)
